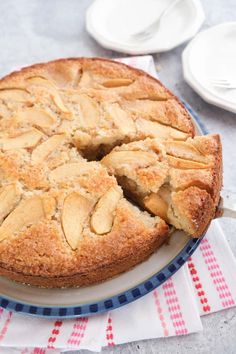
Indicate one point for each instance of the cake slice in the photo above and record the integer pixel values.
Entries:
(177, 180)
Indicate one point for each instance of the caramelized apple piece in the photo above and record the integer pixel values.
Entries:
(76, 210)
(120, 118)
(9, 197)
(166, 112)
(176, 162)
(4, 111)
(136, 158)
(52, 88)
(28, 212)
(14, 94)
(184, 150)
(41, 81)
(36, 116)
(103, 216)
(157, 130)
(25, 140)
(59, 102)
(42, 151)
(117, 82)
(90, 111)
(49, 205)
(70, 170)
(156, 205)
(86, 80)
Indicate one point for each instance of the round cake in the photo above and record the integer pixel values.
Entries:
(98, 161)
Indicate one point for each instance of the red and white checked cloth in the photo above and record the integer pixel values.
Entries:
(206, 284)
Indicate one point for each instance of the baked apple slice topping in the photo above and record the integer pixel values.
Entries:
(25, 140)
(184, 150)
(51, 88)
(76, 210)
(164, 112)
(28, 212)
(152, 129)
(117, 82)
(104, 214)
(59, 102)
(155, 204)
(70, 171)
(49, 205)
(120, 118)
(36, 116)
(117, 160)
(14, 94)
(179, 163)
(9, 198)
(42, 151)
(40, 81)
(90, 112)
(86, 80)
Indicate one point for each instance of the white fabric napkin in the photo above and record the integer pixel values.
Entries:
(207, 283)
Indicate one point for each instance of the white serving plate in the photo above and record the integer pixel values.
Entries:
(95, 293)
(111, 22)
(212, 54)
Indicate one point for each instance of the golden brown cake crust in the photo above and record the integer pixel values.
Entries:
(148, 87)
(52, 200)
(50, 262)
(196, 206)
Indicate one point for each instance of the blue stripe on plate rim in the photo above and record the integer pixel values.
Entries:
(120, 299)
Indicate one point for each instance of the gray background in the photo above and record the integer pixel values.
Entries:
(33, 31)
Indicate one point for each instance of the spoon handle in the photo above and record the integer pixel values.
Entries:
(168, 8)
(155, 24)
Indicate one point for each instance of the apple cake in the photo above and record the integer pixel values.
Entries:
(97, 161)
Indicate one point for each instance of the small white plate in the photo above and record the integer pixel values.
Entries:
(111, 23)
(212, 54)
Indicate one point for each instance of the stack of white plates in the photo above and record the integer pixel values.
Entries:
(211, 56)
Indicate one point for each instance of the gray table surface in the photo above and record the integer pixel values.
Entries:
(33, 31)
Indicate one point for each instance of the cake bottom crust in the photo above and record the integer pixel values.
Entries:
(93, 277)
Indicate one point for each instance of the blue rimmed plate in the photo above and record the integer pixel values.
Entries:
(111, 294)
